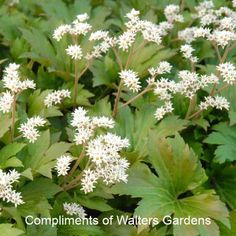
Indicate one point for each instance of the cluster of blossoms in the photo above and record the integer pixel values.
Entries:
(188, 85)
(187, 51)
(13, 85)
(216, 25)
(63, 165)
(85, 125)
(74, 209)
(103, 152)
(131, 80)
(6, 192)
(150, 31)
(228, 72)
(29, 130)
(217, 101)
(80, 26)
(56, 97)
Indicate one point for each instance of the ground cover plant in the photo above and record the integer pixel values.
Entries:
(118, 108)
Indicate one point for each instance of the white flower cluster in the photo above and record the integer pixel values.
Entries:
(217, 102)
(228, 72)
(105, 42)
(131, 80)
(11, 79)
(216, 25)
(6, 100)
(163, 110)
(151, 32)
(75, 52)
(63, 165)
(56, 97)
(29, 130)
(187, 51)
(172, 13)
(103, 151)
(162, 68)
(6, 189)
(85, 125)
(78, 27)
(74, 209)
(189, 84)
(13, 84)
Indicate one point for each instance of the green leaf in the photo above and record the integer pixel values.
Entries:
(8, 151)
(170, 125)
(40, 187)
(39, 230)
(226, 231)
(27, 173)
(7, 229)
(225, 137)
(42, 156)
(94, 203)
(12, 162)
(5, 122)
(83, 230)
(174, 192)
(225, 182)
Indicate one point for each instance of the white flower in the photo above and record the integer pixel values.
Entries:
(187, 51)
(164, 88)
(162, 68)
(234, 3)
(75, 52)
(79, 28)
(131, 80)
(60, 31)
(217, 102)
(133, 15)
(74, 209)
(125, 40)
(187, 34)
(11, 79)
(103, 122)
(172, 13)
(201, 32)
(222, 37)
(6, 192)
(163, 110)
(98, 35)
(228, 72)
(85, 126)
(63, 165)
(6, 100)
(29, 130)
(189, 83)
(205, 80)
(152, 32)
(104, 153)
(56, 97)
(88, 181)
(105, 148)
(82, 17)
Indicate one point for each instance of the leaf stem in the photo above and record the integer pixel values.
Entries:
(147, 89)
(13, 118)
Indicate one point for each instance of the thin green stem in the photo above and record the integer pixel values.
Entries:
(117, 99)
(13, 118)
(147, 89)
(77, 162)
(77, 77)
